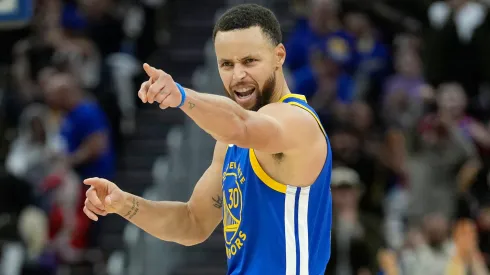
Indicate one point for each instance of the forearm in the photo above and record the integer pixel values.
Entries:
(81, 156)
(166, 220)
(219, 116)
(91, 149)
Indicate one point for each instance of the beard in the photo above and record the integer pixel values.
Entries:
(262, 97)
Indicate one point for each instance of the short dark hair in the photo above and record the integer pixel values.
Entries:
(250, 15)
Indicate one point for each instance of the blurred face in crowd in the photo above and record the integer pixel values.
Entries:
(451, 99)
(321, 14)
(345, 146)
(357, 23)
(362, 116)
(345, 197)
(408, 63)
(59, 90)
(248, 62)
(436, 230)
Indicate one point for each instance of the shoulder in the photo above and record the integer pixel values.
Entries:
(291, 115)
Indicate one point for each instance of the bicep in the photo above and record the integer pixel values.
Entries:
(278, 129)
(206, 202)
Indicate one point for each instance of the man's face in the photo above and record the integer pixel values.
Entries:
(345, 147)
(322, 12)
(345, 197)
(247, 63)
(452, 99)
(54, 91)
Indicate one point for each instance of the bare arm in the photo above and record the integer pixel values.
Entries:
(185, 223)
(93, 146)
(275, 128)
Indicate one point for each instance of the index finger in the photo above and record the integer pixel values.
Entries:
(95, 182)
(150, 71)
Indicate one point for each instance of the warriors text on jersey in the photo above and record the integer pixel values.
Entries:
(271, 228)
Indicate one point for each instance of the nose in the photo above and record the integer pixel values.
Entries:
(239, 73)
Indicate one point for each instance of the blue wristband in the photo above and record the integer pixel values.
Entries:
(182, 93)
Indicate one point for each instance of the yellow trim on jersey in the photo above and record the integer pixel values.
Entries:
(272, 183)
(313, 114)
(257, 168)
(301, 97)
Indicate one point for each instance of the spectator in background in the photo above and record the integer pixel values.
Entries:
(325, 84)
(323, 29)
(431, 254)
(452, 104)
(87, 135)
(445, 162)
(75, 51)
(456, 44)
(104, 25)
(467, 257)
(84, 128)
(35, 51)
(406, 92)
(355, 235)
(373, 64)
(347, 146)
(32, 153)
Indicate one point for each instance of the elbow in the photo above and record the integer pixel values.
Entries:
(194, 233)
(192, 242)
(235, 134)
(194, 238)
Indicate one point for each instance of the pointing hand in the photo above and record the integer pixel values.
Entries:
(103, 197)
(160, 88)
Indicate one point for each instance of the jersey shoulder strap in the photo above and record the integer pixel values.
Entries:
(300, 101)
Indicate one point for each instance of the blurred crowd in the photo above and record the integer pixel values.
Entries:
(402, 88)
(68, 98)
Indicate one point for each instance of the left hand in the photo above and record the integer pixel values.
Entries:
(159, 88)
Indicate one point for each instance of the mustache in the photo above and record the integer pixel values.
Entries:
(238, 84)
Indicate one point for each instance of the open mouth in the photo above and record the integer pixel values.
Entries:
(244, 93)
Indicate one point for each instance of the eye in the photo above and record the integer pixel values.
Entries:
(249, 60)
(226, 64)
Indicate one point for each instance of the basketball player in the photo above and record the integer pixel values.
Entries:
(269, 180)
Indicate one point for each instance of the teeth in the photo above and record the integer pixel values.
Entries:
(244, 90)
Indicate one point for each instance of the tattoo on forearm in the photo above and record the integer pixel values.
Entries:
(218, 201)
(191, 105)
(134, 209)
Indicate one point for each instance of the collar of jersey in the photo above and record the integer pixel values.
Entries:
(300, 97)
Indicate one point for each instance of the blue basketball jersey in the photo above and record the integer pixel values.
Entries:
(272, 228)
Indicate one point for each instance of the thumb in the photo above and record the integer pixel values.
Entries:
(150, 71)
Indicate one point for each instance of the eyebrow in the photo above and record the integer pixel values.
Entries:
(241, 59)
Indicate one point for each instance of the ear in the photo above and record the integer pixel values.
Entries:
(280, 52)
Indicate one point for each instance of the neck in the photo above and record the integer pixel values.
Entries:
(282, 88)
(73, 102)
